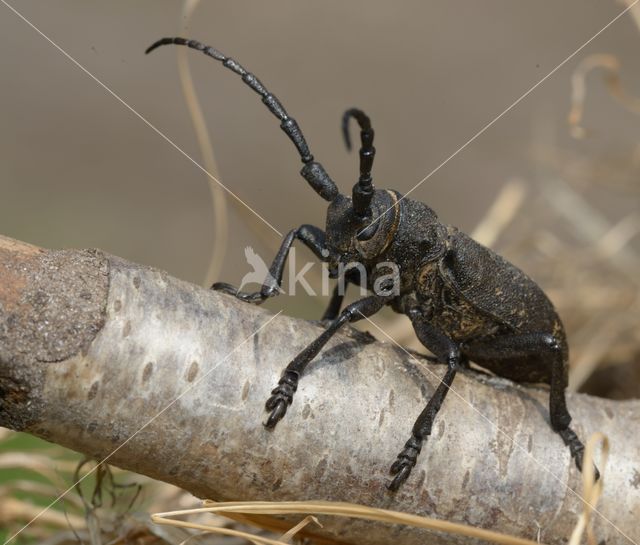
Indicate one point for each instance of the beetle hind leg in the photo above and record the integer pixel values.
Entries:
(559, 414)
(514, 347)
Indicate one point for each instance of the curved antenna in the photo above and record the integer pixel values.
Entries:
(363, 191)
(312, 171)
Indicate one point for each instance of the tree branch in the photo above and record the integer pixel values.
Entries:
(105, 356)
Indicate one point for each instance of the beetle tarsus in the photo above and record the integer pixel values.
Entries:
(255, 298)
(576, 448)
(281, 398)
(278, 408)
(405, 462)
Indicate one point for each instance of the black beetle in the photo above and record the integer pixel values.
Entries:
(466, 303)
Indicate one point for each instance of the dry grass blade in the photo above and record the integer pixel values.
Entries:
(618, 236)
(579, 89)
(501, 213)
(160, 518)
(341, 509)
(38, 463)
(34, 488)
(634, 11)
(17, 510)
(218, 199)
(592, 488)
(298, 527)
(606, 264)
(592, 352)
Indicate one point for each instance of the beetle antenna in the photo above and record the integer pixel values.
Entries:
(363, 190)
(313, 172)
(345, 128)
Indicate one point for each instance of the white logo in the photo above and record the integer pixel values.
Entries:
(384, 284)
(260, 274)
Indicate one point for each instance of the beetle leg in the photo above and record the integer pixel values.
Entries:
(559, 414)
(335, 303)
(520, 346)
(352, 276)
(312, 237)
(446, 350)
(282, 395)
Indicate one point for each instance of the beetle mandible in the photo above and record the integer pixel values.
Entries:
(465, 302)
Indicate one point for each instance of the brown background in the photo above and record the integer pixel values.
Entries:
(77, 169)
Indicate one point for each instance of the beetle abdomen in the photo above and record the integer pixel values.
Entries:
(493, 286)
(449, 311)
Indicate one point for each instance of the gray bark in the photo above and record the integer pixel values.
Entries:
(92, 348)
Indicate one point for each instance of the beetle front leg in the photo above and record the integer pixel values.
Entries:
(282, 395)
(445, 350)
(312, 237)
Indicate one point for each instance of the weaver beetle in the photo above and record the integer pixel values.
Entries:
(466, 303)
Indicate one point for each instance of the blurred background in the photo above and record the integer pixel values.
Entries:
(554, 184)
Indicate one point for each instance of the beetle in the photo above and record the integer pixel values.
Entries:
(465, 302)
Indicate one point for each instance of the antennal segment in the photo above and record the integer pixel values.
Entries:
(312, 171)
(363, 190)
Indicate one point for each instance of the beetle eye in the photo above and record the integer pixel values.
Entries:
(368, 232)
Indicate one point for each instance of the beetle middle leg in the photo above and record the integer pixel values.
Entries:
(335, 304)
(352, 276)
(282, 395)
(445, 350)
(550, 351)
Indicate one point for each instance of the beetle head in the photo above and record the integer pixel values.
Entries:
(352, 237)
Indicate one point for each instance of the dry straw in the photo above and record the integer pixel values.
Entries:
(218, 200)
(592, 488)
(611, 65)
(253, 513)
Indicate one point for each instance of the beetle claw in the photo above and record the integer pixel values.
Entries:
(579, 458)
(278, 408)
(225, 288)
(401, 469)
(576, 448)
(397, 466)
(256, 298)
